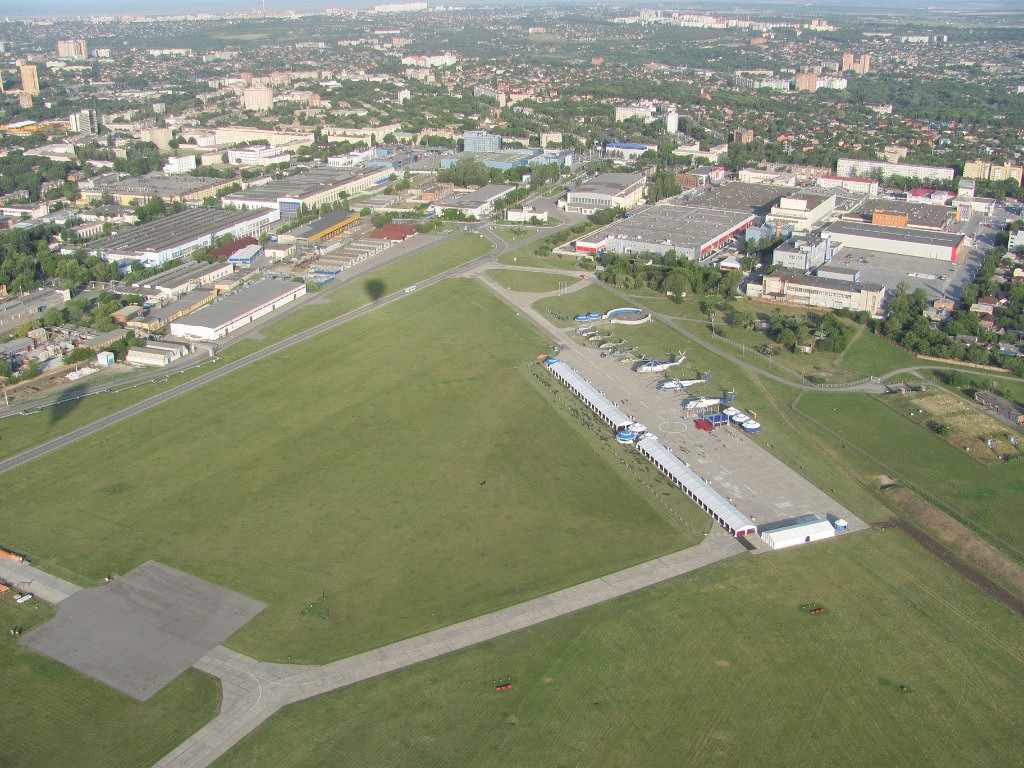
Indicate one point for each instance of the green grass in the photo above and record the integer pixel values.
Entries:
(19, 433)
(513, 233)
(414, 480)
(55, 717)
(986, 498)
(717, 668)
(335, 301)
(530, 282)
(872, 355)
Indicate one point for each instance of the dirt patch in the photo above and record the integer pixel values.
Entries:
(970, 430)
(548, 680)
(724, 664)
(960, 548)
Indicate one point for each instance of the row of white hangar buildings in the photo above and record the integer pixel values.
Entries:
(684, 478)
(802, 530)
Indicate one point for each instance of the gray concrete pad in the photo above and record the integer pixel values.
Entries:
(142, 630)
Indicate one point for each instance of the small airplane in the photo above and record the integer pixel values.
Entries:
(658, 366)
(672, 384)
(706, 402)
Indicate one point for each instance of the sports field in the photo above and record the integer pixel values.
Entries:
(721, 667)
(53, 717)
(383, 480)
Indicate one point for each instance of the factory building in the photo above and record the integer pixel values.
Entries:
(693, 233)
(238, 310)
(803, 253)
(179, 234)
(323, 228)
(943, 246)
(608, 190)
(476, 204)
(169, 187)
(803, 210)
(323, 186)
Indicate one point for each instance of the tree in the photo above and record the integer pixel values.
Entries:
(53, 317)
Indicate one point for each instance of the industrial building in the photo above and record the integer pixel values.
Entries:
(794, 287)
(691, 232)
(478, 203)
(169, 187)
(900, 213)
(238, 310)
(182, 279)
(159, 317)
(323, 186)
(324, 228)
(608, 190)
(179, 234)
(872, 168)
(803, 210)
(803, 253)
(944, 246)
(758, 199)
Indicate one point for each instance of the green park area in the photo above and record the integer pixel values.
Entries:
(530, 282)
(906, 665)
(384, 473)
(55, 717)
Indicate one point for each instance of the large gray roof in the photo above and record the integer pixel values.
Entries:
(896, 234)
(170, 231)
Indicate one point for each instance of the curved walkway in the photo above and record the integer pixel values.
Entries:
(254, 690)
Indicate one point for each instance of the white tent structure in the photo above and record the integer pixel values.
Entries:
(802, 532)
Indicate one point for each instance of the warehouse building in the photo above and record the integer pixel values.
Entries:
(803, 253)
(324, 228)
(169, 187)
(178, 235)
(901, 213)
(322, 186)
(476, 204)
(693, 233)
(160, 317)
(238, 310)
(943, 246)
(182, 279)
(608, 190)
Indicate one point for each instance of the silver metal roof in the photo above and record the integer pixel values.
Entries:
(677, 470)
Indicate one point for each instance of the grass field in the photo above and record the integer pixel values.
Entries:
(385, 280)
(416, 481)
(890, 442)
(717, 668)
(530, 282)
(53, 717)
(19, 433)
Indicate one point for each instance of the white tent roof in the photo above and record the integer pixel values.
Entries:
(590, 394)
(711, 498)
